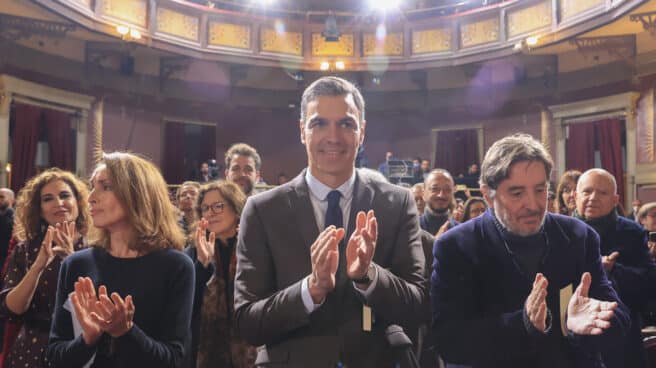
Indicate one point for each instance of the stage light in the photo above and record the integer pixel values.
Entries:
(122, 30)
(324, 65)
(532, 41)
(135, 35)
(339, 65)
(384, 5)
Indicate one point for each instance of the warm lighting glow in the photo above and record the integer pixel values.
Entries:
(324, 65)
(384, 5)
(8, 167)
(532, 41)
(122, 30)
(339, 65)
(134, 34)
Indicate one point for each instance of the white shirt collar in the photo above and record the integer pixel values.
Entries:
(321, 190)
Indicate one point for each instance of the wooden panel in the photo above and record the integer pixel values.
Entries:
(230, 35)
(281, 42)
(343, 47)
(570, 8)
(478, 33)
(132, 11)
(177, 24)
(391, 44)
(431, 40)
(529, 19)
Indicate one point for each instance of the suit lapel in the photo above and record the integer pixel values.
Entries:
(363, 198)
(301, 206)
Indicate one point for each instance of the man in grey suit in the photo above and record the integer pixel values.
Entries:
(327, 261)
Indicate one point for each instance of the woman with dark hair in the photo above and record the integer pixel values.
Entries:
(474, 207)
(565, 202)
(52, 214)
(219, 207)
(140, 313)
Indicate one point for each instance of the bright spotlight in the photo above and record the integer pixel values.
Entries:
(135, 35)
(339, 65)
(532, 41)
(122, 30)
(384, 5)
(324, 65)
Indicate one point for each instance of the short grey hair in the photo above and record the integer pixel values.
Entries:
(508, 151)
(332, 86)
(600, 172)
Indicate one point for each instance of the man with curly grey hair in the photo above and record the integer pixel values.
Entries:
(517, 286)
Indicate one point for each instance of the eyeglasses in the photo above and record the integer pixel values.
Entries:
(216, 207)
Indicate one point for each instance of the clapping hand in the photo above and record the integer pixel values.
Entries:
(585, 315)
(46, 253)
(324, 255)
(204, 247)
(98, 314)
(536, 303)
(609, 261)
(362, 245)
(64, 236)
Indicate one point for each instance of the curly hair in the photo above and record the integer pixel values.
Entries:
(570, 176)
(29, 222)
(141, 189)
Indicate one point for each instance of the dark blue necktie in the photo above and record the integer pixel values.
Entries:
(334, 212)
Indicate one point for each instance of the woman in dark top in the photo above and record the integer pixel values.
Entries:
(474, 207)
(219, 207)
(139, 315)
(52, 213)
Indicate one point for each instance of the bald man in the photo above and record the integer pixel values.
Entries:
(625, 256)
(438, 195)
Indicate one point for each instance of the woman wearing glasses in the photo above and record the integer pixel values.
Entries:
(214, 343)
(127, 301)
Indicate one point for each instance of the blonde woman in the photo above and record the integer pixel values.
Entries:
(52, 213)
(131, 293)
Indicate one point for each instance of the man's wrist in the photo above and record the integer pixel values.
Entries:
(367, 277)
(316, 292)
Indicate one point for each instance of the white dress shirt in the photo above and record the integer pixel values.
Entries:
(319, 198)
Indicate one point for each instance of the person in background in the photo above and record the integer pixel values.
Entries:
(438, 194)
(126, 301)
(383, 168)
(186, 199)
(6, 221)
(625, 257)
(52, 216)
(243, 165)
(474, 207)
(565, 202)
(418, 194)
(214, 341)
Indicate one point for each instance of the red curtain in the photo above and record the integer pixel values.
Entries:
(610, 149)
(456, 149)
(58, 126)
(208, 144)
(174, 153)
(25, 138)
(580, 147)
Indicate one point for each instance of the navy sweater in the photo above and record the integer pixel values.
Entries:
(161, 284)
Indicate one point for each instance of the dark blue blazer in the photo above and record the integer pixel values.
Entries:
(634, 278)
(478, 295)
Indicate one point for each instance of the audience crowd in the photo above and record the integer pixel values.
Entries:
(336, 267)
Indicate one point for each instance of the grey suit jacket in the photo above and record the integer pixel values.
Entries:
(277, 229)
